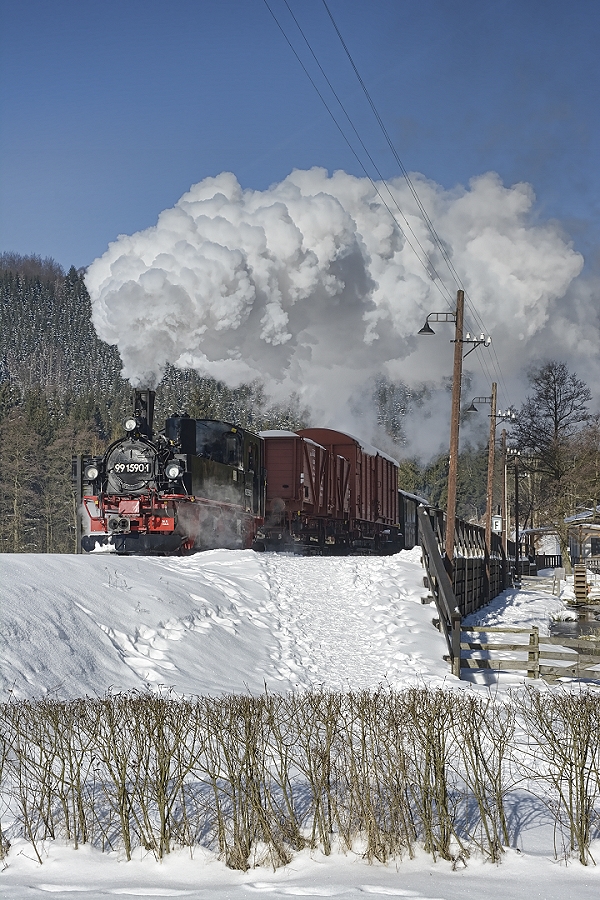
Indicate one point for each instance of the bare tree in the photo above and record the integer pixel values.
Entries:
(549, 428)
(553, 413)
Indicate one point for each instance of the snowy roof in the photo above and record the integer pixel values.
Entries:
(373, 451)
(275, 432)
(288, 434)
(585, 515)
(366, 448)
(416, 497)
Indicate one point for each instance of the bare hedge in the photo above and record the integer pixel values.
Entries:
(259, 778)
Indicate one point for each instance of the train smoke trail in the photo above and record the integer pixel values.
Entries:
(311, 287)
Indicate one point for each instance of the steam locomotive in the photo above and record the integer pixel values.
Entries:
(197, 485)
(201, 484)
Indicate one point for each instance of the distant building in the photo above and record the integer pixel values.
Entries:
(584, 535)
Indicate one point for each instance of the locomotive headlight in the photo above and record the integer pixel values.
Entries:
(173, 471)
(91, 473)
(130, 424)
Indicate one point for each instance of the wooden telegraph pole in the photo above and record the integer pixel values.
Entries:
(458, 318)
(490, 471)
(504, 498)
(454, 427)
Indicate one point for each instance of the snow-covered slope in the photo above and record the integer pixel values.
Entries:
(211, 623)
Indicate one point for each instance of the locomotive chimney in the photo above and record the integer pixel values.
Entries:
(143, 409)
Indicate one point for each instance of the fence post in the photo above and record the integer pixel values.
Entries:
(456, 660)
(533, 656)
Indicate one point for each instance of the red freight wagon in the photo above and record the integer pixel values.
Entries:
(305, 487)
(373, 510)
(328, 493)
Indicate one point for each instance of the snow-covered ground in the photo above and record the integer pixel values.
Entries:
(215, 622)
(227, 621)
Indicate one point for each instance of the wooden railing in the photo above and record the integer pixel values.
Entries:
(548, 561)
(476, 581)
(532, 567)
(441, 588)
(476, 577)
(590, 562)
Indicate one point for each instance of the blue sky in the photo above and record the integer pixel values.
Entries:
(110, 111)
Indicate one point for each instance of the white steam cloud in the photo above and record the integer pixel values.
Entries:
(311, 287)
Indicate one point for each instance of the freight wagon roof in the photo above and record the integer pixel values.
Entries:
(374, 451)
(288, 434)
(277, 433)
(366, 448)
(422, 500)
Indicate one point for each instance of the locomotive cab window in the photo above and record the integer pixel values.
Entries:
(232, 450)
(219, 442)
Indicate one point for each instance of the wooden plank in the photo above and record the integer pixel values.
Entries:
(516, 648)
(570, 672)
(469, 663)
(580, 582)
(498, 665)
(588, 661)
(479, 628)
(592, 647)
(559, 654)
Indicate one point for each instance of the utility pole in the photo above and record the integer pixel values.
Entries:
(517, 553)
(454, 427)
(504, 498)
(490, 471)
(458, 318)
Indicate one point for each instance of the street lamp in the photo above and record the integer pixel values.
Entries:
(457, 318)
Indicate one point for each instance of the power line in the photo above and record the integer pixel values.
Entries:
(369, 156)
(427, 219)
(423, 256)
(426, 262)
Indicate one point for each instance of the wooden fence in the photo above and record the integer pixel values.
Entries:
(478, 578)
(574, 658)
(591, 563)
(441, 588)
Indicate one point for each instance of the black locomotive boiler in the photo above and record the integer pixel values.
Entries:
(199, 484)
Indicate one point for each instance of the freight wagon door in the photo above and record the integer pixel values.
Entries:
(281, 465)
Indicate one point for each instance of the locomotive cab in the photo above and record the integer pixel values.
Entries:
(222, 462)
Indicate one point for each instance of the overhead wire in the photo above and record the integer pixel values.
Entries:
(393, 198)
(426, 262)
(423, 256)
(426, 218)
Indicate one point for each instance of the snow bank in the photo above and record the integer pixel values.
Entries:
(215, 622)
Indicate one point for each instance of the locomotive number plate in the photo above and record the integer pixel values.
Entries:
(143, 467)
